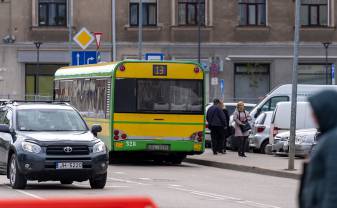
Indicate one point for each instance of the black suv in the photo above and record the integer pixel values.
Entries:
(49, 141)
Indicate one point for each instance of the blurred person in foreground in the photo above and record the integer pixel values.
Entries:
(216, 123)
(319, 181)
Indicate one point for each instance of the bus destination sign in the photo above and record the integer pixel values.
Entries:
(159, 70)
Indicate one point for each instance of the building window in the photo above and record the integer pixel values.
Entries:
(314, 13)
(188, 12)
(149, 13)
(314, 74)
(252, 12)
(52, 12)
(252, 81)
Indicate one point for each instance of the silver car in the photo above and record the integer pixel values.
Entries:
(259, 136)
(305, 139)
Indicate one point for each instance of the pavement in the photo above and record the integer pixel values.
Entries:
(182, 186)
(270, 165)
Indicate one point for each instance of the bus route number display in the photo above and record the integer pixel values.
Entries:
(159, 70)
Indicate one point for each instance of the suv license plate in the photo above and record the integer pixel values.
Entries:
(158, 147)
(69, 165)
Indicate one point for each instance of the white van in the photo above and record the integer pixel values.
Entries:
(283, 93)
(281, 118)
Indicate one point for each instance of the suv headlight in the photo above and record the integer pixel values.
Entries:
(99, 147)
(31, 147)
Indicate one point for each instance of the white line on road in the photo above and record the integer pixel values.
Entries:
(145, 179)
(223, 197)
(127, 181)
(83, 185)
(119, 173)
(28, 194)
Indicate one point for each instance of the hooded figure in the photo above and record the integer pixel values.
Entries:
(319, 188)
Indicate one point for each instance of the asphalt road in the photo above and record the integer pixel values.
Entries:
(187, 185)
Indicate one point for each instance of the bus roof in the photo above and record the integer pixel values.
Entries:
(103, 69)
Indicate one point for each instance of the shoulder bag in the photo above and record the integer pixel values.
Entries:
(245, 126)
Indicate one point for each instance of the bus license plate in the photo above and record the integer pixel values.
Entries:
(158, 147)
(69, 165)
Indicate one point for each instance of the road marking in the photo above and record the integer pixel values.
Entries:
(119, 173)
(145, 179)
(28, 194)
(83, 185)
(127, 181)
(223, 197)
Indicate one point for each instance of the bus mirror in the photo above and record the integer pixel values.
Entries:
(95, 129)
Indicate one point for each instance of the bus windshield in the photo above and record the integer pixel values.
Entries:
(154, 95)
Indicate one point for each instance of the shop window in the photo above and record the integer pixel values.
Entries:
(252, 81)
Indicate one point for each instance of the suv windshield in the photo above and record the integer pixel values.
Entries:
(50, 120)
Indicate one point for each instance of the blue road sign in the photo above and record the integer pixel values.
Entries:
(84, 57)
(154, 56)
(222, 87)
(333, 74)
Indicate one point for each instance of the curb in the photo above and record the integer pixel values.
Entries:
(244, 168)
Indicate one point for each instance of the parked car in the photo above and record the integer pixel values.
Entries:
(259, 136)
(281, 119)
(230, 108)
(49, 141)
(304, 142)
(283, 93)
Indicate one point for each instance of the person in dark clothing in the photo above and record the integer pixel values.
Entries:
(319, 181)
(216, 123)
(227, 129)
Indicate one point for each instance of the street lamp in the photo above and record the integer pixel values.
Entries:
(199, 31)
(37, 45)
(326, 46)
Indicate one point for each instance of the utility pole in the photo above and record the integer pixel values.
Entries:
(326, 46)
(199, 31)
(140, 30)
(291, 163)
(37, 88)
(113, 30)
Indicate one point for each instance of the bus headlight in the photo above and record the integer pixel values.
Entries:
(99, 147)
(31, 147)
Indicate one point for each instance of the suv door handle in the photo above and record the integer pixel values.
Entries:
(159, 119)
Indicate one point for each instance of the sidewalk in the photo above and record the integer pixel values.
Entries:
(255, 163)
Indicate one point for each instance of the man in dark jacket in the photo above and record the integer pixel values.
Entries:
(319, 187)
(216, 123)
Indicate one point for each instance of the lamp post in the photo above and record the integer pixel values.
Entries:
(326, 46)
(37, 45)
(140, 30)
(199, 31)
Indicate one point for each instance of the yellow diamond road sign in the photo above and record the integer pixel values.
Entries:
(84, 38)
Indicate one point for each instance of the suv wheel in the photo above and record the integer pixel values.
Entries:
(66, 182)
(17, 179)
(98, 181)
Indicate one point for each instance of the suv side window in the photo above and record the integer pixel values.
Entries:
(270, 105)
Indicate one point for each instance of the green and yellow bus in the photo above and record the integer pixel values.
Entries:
(152, 108)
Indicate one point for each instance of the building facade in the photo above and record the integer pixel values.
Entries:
(246, 45)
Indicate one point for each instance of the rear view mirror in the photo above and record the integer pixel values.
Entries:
(95, 129)
(4, 128)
